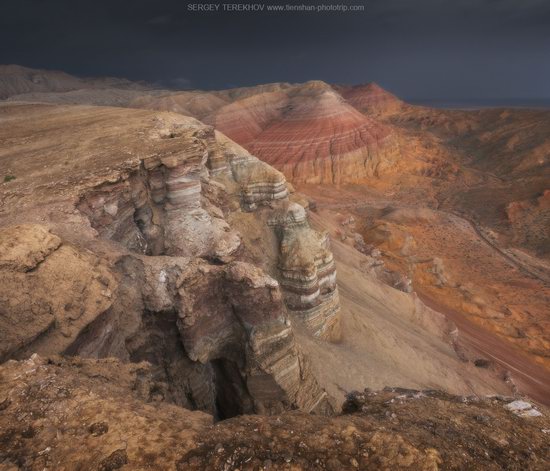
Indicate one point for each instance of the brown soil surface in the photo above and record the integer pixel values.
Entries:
(104, 415)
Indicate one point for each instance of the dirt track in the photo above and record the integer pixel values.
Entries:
(530, 378)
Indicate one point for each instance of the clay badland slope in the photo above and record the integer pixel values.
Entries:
(137, 188)
(487, 168)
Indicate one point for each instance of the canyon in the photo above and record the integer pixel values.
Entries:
(167, 256)
(217, 263)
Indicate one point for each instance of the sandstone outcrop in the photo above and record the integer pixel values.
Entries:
(158, 210)
(308, 272)
(258, 183)
(239, 306)
(49, 290)
(137, 261)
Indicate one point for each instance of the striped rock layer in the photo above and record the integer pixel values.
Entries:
(258, 182)
(160, 210)
(237, 305)
(310, 133)
(307, 271)
(147, 266)
(371, 99)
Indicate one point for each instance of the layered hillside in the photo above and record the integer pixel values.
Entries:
(133, 247)
(157, 277)
(487, 168)
(307, 131)
(371, 99)
(167, 230)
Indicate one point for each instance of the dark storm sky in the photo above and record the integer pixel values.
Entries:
(419, 49)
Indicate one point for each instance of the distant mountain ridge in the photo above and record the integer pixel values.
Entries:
(16, 80)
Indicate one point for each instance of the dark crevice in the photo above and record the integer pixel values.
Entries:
(183, 381)
(232, 397)
(217, 387)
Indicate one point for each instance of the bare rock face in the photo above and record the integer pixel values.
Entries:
(308, 272)
(159, 209)
(236, 317)
(49, 290)
(258, 183)
(137, 261)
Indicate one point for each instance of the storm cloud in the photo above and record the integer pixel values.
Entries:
(424, 49)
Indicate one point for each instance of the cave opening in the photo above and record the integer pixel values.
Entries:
(232, 397)
(216, 387)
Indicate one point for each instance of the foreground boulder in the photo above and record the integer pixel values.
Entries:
(50, 291)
